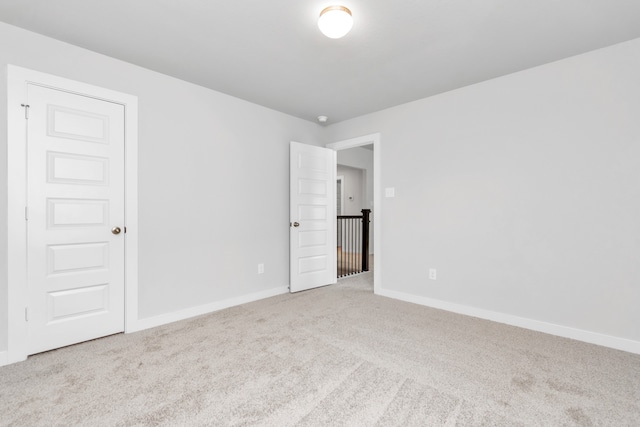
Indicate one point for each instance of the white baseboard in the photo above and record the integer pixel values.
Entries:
(4, 358)
(163, 319)
(535, 325)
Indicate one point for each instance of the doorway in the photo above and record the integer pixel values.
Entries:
(374, 141)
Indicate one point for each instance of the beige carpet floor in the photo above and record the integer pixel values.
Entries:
(337, 355)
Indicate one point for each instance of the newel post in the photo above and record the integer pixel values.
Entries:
(365, 239)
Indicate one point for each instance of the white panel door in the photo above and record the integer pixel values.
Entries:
(75, 194)
(312, 217)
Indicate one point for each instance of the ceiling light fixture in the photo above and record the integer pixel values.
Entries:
(335, 21)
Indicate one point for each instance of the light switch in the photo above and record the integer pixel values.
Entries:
(390, 192)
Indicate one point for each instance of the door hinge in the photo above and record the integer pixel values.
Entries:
(26, 314)
(26, 213)
(26, 110)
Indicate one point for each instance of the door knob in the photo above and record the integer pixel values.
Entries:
(296, 224)
(116, 230)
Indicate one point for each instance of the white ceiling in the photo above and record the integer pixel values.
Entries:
(270, 51)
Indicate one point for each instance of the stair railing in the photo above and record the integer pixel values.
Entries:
(353, 243)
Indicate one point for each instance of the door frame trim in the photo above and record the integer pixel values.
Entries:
(341, 179)
(376, 140)
(17, 80)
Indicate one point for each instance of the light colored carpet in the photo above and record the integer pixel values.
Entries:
(337, 355)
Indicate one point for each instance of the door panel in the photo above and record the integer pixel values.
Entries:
(65, 168)
(312, 198)
(75, 192)
(82, 257)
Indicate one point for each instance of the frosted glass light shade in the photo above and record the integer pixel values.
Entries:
(335, 21)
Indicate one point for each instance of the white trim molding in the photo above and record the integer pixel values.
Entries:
(376, 140)
(508, 319)
(175, 316)
(17, 80)
(340, 178)
(4, 358)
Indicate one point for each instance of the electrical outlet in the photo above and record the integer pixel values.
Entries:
(260, 268)
(432, 273)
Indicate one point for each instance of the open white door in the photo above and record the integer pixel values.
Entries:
(312, 217)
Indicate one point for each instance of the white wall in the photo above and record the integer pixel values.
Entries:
(3, 203)
(213, 179)
(523, 192)
(360, 158)
(353, 189)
